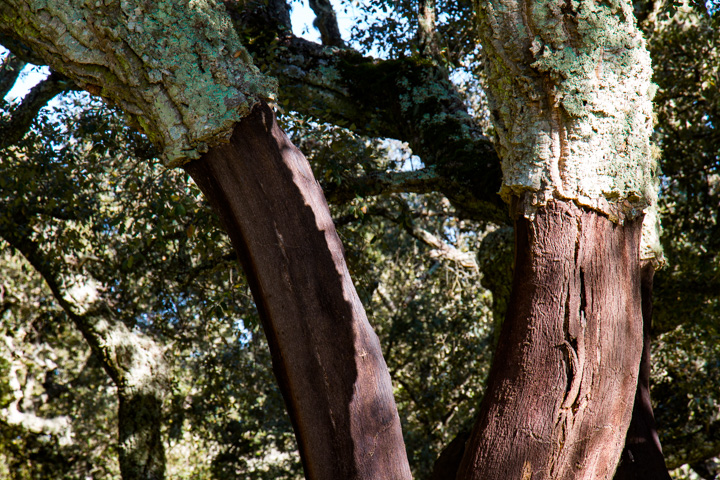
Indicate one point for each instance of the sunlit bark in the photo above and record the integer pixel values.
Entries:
(569, 91)
(326, 357)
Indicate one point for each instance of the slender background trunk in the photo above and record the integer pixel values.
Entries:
(325, 355)
(133, 361)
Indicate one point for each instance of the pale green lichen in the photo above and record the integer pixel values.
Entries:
(650, 246)
(570, 93)
(176, 67)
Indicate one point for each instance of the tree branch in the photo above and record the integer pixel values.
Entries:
(379, 183)
(441, 249)
(410, 99)
(427, 36)
(29, 249)
(22, 116)
(9, 73)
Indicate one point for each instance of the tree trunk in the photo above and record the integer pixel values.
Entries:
(565, 371)
(190, 92)
(642, 457)
(447, 464)
(326, 357)
(142, 454)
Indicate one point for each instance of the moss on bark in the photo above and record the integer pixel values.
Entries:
(177, 68)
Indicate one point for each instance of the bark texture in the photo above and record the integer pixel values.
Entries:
(642, 457)
(325, 355)
(142, 454)
(560, 392)
(570, 97)
(175, 67)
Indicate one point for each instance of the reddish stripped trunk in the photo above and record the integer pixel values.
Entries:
(642, 457)
(326, 357)
(560, 393)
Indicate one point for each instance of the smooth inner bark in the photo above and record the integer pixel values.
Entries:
(642, 457)
(326, 357)
(560, 392)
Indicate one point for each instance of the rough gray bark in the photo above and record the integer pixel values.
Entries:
(559, 396)
(570, 95)
(176, 68)
(325, 355)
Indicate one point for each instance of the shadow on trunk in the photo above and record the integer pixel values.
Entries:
(325, 355)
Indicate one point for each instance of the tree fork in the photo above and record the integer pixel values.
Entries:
(381, 98)
(558, 399)
(326, 357)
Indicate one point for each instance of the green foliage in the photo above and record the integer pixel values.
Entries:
(126, 236)
(388, 28)
(683, 45)
(50, 379)
(130, 238)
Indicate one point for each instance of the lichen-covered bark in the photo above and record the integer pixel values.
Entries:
(427, 36)
(570, 95)
(137, 366)
(177, 68)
